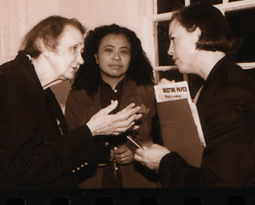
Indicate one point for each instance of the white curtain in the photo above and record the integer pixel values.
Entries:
(16, 18)
(12, 27)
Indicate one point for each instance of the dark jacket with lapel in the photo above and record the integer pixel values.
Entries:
(37, 151)
(226, 107)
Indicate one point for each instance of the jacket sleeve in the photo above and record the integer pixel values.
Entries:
(32, 150)
(229, 155)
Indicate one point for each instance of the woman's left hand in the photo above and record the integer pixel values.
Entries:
(123, 155)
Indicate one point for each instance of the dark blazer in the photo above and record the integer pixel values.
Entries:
(80, 107)
(226, 107)
(36, 149)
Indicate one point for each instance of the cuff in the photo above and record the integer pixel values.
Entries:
(170, 170)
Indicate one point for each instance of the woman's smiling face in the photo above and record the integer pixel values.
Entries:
(113, 56)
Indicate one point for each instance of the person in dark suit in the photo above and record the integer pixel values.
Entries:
(37, 150)
(202, 43)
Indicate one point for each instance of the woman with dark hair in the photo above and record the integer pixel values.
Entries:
(115, 68)
(202, 43)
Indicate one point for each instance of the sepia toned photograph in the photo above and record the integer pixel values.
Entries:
(127, 101)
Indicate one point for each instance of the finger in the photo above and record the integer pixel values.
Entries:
(126, 113)
(110, 107)
(139, 152)
(138, 116)
(123, 147)
(125, 160)
(118, 161)
(122, 126)
(123, 150)
(164, 81)
(138, 158)
(119, 151)
(125, 121)
(123, 155)
(135, 127)
(129, 121)
(114, 133)
(122, 161)
(119, 130)
(119, 156)
(127, 108)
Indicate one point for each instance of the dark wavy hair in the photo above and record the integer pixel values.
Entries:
(216, 34)
(88, 76)
(49, 31)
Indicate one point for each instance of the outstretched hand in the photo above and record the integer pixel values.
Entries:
(103, 123)
(151, 156)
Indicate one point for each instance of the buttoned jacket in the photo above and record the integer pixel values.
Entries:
(37, 151)
(80, 107)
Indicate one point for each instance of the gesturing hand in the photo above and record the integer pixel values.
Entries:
(103, 123)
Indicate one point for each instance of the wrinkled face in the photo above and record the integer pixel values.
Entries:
(183, 47)
(66, 59)
(113, 57)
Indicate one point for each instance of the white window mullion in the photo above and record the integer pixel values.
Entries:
(187, 2)
(155, 7)
(224, 2)
(246, 65)
(228, 6)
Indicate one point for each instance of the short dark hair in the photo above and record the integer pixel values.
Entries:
(88, 76)
(216, 34)
(49, 31)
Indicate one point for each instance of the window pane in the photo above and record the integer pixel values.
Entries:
(163, 44)
(169, 5)
(171, 75)
(211, 2)
(242, 23)
(234, 0)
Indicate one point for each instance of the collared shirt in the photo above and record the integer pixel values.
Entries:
(111, 174)
(107, 94)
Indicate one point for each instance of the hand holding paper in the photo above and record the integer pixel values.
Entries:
(179, 121)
